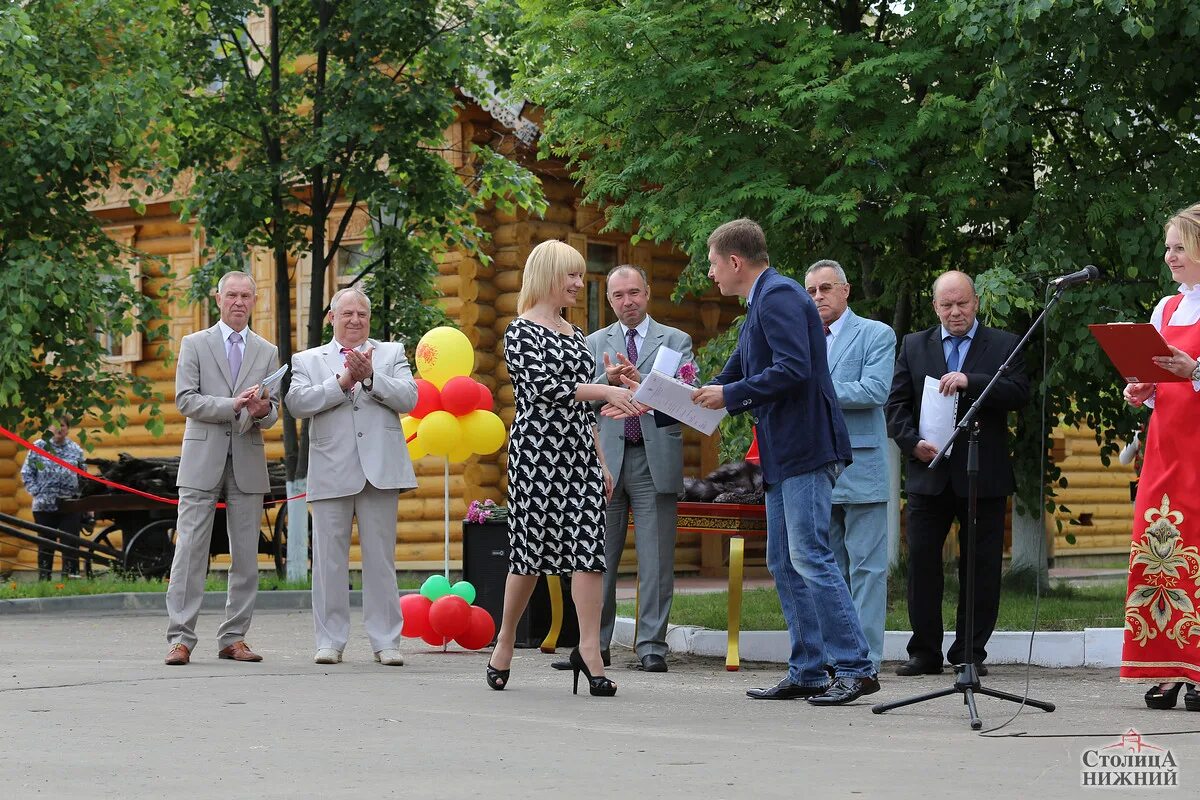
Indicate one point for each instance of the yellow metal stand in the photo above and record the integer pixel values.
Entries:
(737, 556)
(554, 587)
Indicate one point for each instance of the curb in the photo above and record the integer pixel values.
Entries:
(1092, 647)
(286, 600)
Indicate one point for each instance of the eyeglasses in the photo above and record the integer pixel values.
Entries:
(824, 288)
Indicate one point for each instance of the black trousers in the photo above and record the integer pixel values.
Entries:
(929, 519)
(68, 522)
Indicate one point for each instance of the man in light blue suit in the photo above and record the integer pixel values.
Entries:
(862, 355)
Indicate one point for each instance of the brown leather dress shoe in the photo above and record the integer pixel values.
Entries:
(178, 655)
(238, 651)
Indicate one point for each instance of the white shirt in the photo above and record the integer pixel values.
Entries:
(1187, 314)
(834, 328)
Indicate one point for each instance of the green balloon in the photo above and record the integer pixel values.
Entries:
(435, 586)
(464, 590)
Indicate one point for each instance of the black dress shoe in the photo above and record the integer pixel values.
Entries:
(980, 669)
(786, 690)
(566, 662)
(652, 662)
(915, 666)
(845, 690)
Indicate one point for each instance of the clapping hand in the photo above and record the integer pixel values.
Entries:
(358, 368)
(623, 368)
(258, 407)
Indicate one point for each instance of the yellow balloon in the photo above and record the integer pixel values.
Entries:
(483, 431)
(409, 425)
(460, 454)
(440, 432)
(444, 353)
(416, 449)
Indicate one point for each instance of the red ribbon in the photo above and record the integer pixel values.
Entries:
(28, 445)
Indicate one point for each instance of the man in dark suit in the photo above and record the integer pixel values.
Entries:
(778, 371)
(962, 355)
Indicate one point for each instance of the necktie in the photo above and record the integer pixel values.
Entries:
(828, 331)
(955, 359)
(235, 356)
(633, 425)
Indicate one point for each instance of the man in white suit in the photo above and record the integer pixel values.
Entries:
(645, 455)
(216, 389)
(862, 355)
(353, 389)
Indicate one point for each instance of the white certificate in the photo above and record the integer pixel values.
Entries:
(674, 398)
(937, 414)
(271, 382)
(667, 361)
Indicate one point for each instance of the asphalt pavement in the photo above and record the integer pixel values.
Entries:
(90, 711)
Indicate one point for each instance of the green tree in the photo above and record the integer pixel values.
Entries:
(305, 112)
(81, 86)
(1012, 140)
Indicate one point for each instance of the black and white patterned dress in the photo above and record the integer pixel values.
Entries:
(555, 486)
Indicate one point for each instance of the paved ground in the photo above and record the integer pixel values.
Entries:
(89, 711)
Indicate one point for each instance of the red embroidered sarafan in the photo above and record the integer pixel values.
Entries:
(1162, 611)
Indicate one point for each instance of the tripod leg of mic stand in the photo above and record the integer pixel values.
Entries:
(969, 699)
(1016, 698)
(882, 707)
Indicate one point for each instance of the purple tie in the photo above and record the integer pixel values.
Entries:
(633, 425)
(235, 356)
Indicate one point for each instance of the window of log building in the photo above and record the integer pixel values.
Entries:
(601, 257)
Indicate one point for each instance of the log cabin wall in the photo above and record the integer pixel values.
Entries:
(482, 299)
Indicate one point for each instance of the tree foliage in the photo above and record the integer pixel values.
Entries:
(1012, 139)
(81, 88)
(335, 108)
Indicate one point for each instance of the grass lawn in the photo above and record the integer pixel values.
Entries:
(12, 590)
(1063, 608)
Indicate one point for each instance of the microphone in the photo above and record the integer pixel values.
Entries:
(1088, 273)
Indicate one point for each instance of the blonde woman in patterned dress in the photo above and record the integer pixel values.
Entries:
(558, 484)
(1162, 612)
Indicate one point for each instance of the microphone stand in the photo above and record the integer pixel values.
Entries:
(967, 681)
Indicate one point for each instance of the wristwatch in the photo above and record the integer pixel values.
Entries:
(368, 382)
(1196, 371)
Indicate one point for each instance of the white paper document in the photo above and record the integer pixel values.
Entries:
(937, 414)
(667, 361)
(674, 398)
(272, 382)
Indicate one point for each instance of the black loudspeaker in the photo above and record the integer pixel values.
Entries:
(485, 566)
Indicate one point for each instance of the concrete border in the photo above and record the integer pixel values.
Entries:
(1092, 647)
(285, 600)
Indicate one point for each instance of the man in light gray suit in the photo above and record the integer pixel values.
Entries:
(646, 461)
(353, 389)
(862, 353)
(216, 389)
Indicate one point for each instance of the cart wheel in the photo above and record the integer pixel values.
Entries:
(104, 537)
(149, 551)
(279, 542)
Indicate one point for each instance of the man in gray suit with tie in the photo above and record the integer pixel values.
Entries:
(353, 389)
(216, 389)
(646, 461)
(862, 354)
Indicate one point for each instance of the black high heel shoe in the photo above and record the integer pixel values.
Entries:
(1191, 700)
(599, 686)
(1163, 699)
(497, 678)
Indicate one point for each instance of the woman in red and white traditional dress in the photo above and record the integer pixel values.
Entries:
(1162, 611)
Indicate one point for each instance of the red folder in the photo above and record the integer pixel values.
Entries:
(1131, 346)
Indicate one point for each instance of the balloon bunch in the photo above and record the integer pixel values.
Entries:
(441, 613)
(453, 416)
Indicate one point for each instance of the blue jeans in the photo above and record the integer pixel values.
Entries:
(808, 578)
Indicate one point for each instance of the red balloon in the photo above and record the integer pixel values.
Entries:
(429, 399)
(486, 401)
(435, 639)
(449, 616)
(415, 610)
(460, 395)
(480, 632)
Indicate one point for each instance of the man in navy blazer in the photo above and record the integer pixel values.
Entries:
(862, 354)
(962, 355)
(778, 372)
